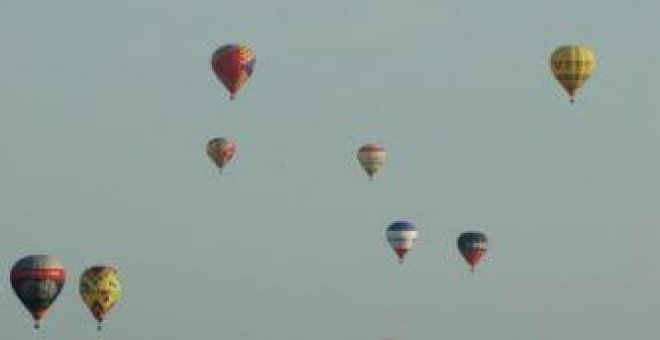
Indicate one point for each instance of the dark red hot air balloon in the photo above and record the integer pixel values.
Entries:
(233, 65)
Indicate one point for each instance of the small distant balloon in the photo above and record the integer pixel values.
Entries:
(233, 65)
(473, 246)
(371, 157)
(37, 280)
(401, 235)
(572, 66)
(100, 290)
(221, 150)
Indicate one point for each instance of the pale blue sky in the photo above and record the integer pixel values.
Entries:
(106, 108)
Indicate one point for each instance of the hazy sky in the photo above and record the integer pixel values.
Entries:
(106, 108)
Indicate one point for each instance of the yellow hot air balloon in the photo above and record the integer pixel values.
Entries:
(572, 65)
(100, 289)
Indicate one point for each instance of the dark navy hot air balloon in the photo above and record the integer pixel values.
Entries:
(473, 247)
(37, 281)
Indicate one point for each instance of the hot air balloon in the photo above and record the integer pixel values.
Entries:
(473, 247)
(371, 157)
(233, 65)
(100, 290)
(572, 65)
(401, 235)
(220, 150)
(37, 280)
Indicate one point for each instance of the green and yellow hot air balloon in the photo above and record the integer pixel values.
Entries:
(572, 65)
(100, 290)
(371, 156)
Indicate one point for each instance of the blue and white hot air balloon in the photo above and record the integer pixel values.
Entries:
(401, 235)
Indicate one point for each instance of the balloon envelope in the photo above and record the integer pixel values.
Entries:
(37, 280)
(221, 151)
(100, 290)
(473, 246)
(371, 157)
(401, 235)
(233, 65)
(572, 65)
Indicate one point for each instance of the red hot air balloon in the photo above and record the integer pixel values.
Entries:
(233, 65)
(37, 280)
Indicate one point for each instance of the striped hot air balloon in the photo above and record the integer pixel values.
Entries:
(233, 65)
(572, 65)
(371, 157)
(37, 280)
(401, 236)
(473, 246)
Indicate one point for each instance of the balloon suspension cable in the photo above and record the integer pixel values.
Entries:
(99, 328)
(40, 335)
